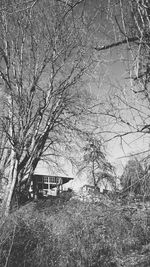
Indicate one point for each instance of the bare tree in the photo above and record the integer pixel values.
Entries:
(44, 52)
(129, 105)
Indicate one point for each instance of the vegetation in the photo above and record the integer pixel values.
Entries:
(45, 103)
(74, 233)
(44, 53)
(95, 162)
(129, 23)
(135, 178)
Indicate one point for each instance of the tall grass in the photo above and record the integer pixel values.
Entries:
(74, 234)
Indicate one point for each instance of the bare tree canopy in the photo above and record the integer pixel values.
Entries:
(129, 24)
(44, 52)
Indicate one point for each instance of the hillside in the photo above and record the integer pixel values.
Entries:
(62, 232)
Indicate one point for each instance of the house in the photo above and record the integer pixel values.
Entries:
(89, 189)
(47, 185)
(105, 184)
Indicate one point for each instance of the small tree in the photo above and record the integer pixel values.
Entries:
(133, 177)
(95, 162)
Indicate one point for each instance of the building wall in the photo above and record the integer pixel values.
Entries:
(45, 185)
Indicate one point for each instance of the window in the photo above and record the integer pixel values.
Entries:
(45, 179)
(45, 186)
(52, 180)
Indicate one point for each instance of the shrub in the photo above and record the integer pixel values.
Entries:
(73, 234)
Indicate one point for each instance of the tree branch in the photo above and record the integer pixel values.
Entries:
(125, 41)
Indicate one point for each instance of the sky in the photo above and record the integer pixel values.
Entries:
(118, 153)
(110, 73)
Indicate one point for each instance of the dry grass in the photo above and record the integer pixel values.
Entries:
(75, 234)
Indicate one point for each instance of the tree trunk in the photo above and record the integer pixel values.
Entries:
(10, 189)
(93, 174)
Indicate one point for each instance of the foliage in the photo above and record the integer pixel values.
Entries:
(95, 162)
(132, 177)
(75, 234)
(135, 178)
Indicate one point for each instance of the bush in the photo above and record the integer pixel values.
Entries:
(73, 234)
